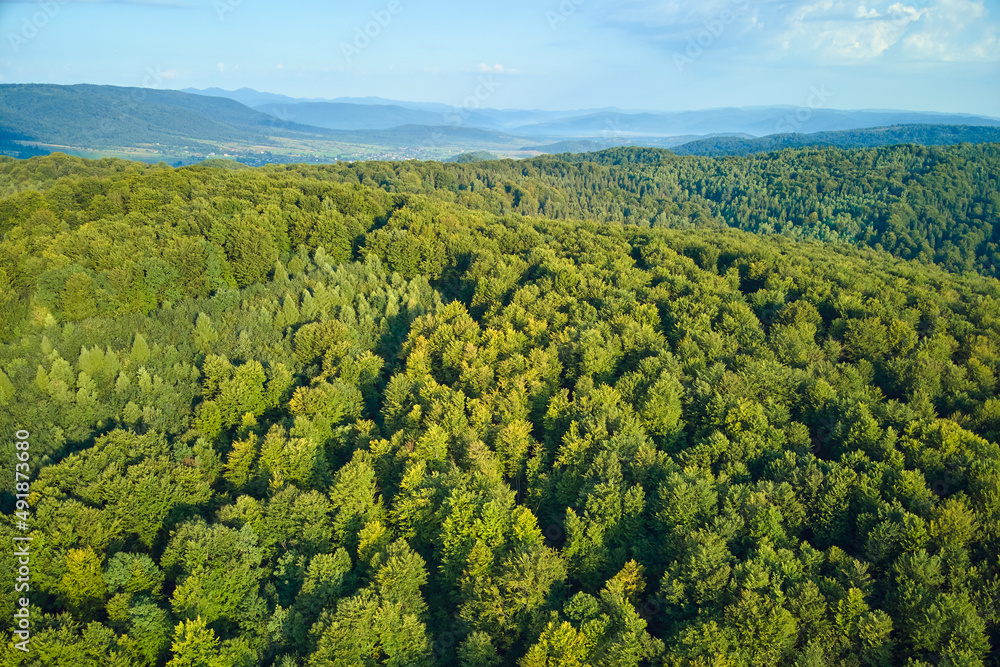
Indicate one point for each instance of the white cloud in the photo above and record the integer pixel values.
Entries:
(841, 31)
(900, 13)
(846, 31)
(988, 49)
(496, 69)
(956, 30)
(823, 32)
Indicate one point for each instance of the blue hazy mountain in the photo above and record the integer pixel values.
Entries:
(342, 116)
(743, 144)
(255, 98)
(336, 117)
(41, 117)
(760, 121)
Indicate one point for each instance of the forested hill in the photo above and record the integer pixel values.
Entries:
(925, 135)
(933, 204)
(351, 416)
(102, 116)
(730, 144)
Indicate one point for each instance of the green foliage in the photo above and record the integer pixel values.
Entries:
(399, 420)
(82, 585)
(217, 570)
(195, 645)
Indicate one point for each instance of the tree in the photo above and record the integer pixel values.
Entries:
(251, 252)
(218, 575)
(382, 624)
(83, 584)
(77, 297)
(195, 645)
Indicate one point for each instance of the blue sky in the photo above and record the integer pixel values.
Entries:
(929, 55)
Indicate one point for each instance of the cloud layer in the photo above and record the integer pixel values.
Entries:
(823, 32)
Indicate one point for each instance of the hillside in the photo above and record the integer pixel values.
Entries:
(161, 125)
(275, 419)
(104, 116)
(597, 145)
(935, 204)
(340, 116)
(924, 135)
(730, 144)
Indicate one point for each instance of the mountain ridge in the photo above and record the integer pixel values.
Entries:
(168, 125)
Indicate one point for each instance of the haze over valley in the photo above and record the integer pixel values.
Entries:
(181, 127)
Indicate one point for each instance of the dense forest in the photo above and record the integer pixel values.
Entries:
(925, 135)
(728, 144)
(540, 413)
(934, 204)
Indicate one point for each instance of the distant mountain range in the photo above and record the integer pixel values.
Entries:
(349, 116)
(255, 127)
(253, 98)
(339, 113)
(755, 122)
(605, 124)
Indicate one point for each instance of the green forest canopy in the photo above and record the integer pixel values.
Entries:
(425, 414)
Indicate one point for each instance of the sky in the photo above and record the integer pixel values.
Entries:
(670, 55)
